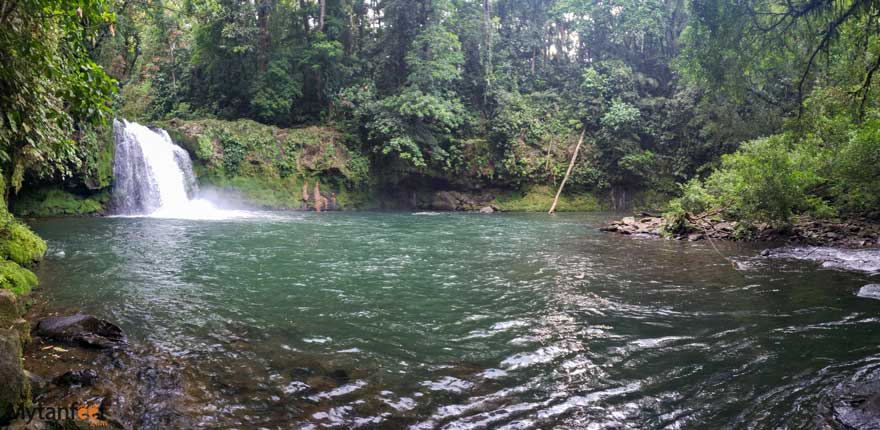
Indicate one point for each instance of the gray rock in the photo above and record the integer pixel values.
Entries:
(487, 210)
(444, 201)
(870, 291)
(852, 406)
(15, 389)
(84, 330)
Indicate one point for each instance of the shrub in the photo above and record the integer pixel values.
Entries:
(857, 169)
(694, 198)
(765, 180)
(204, 148)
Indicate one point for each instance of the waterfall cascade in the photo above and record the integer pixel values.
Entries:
(153, 176)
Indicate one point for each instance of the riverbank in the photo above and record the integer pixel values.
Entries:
(845, 233)
(82, 376)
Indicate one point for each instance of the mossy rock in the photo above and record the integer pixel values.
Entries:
(245, 148)
(18, 243)
(44, 202)
(15, 387)
(10, 316)
(9, 311)
(539, 198)
(15, 278)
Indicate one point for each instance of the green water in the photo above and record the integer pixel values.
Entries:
(463, 321)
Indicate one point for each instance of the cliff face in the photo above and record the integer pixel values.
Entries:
(268, 166)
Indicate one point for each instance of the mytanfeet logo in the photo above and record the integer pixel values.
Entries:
(84, 416)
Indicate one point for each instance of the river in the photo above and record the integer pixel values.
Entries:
(467, 321)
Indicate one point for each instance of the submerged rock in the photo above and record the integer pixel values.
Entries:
(870, 291)
(83, 330)
(859, 260)
(340, 376)
(852, 406)
(82, 378)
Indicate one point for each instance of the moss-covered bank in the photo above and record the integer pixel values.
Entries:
(268, 166)
(55, 201)
(540, 197)
(20, 248)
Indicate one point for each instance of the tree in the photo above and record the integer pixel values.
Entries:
(48, 83)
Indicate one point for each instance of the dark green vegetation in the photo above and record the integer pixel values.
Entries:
(755, 110)
(814, 64)
(267, 165)
(764, 108)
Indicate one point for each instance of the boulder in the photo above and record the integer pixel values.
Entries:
(84, 330)
(870, 291)
(444, 201)
(487, 210)
(15, 389)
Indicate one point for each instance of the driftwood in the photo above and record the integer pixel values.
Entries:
(568, 172)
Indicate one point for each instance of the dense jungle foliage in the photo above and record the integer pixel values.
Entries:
(765, 108)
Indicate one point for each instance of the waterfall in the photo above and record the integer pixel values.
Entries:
(152, 175)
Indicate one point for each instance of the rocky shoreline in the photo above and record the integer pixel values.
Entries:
(848, 233)
(76, 370)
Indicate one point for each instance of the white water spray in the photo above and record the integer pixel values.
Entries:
(153, 177)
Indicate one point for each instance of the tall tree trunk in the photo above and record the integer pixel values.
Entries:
(487, 45)
(305, 16)
(323, 4)
(568, 172)
(263, 8)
